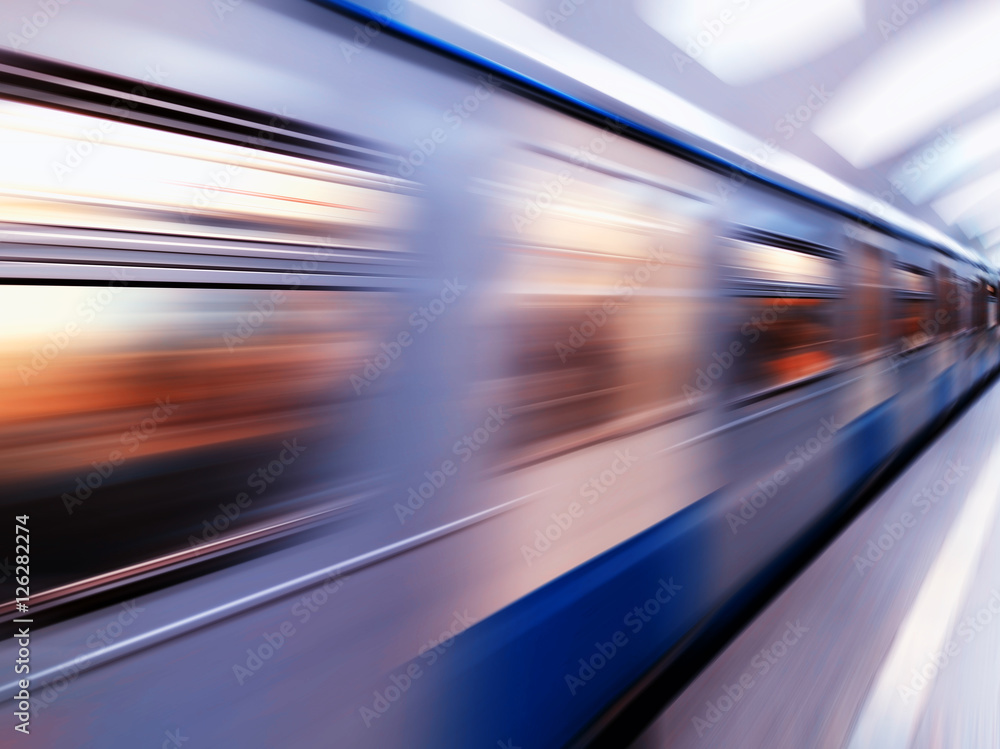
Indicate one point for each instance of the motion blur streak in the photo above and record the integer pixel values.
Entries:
(65, 169)
(902, 615)
(362, 389)
(945, 64)
(147, 407)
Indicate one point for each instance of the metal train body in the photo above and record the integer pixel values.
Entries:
(482, 404)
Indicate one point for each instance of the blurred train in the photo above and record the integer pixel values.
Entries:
(371, 395)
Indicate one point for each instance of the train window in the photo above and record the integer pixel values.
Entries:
(162, 418)
(914, 324)
(991, 304)
(964, 312)
(869, 310)
(979, 302)
(949, 301)
(776, 265)
(595, 305)
(787, 300)
(142, 422)
(798, 345)
(159, 182)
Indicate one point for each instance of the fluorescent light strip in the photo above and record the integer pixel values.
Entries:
(745, 41)
(942, 62)
(963, 201)
(947, 157)
(514, 38)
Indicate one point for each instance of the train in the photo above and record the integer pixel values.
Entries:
(359, 391)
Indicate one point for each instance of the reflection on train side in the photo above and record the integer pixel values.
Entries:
(787, 300)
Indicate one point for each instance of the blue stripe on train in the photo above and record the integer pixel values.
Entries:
(869, 440)
(540, 670)
(518, 674)
(942, 390)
